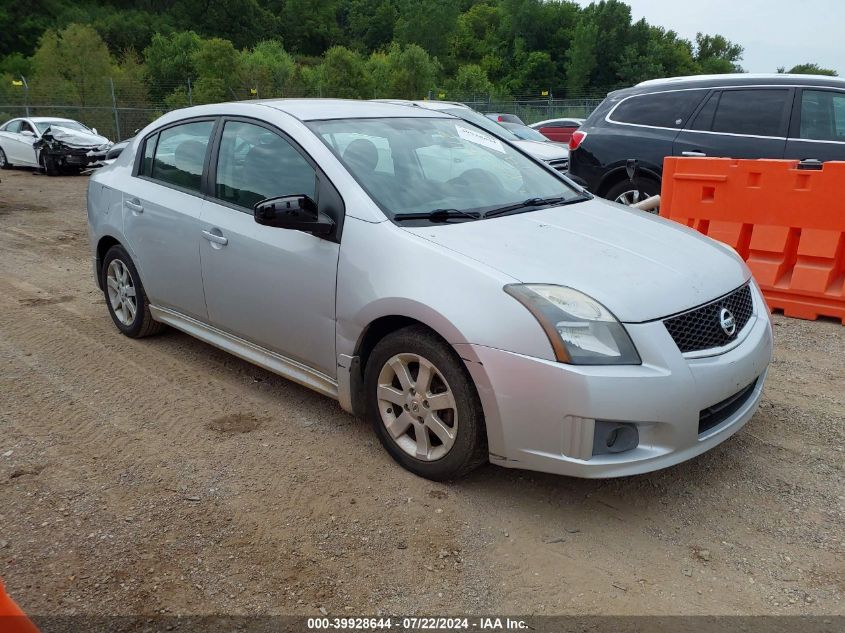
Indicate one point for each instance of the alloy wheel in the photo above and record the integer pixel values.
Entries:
(632, 196)
(121, 292)
(417, 407)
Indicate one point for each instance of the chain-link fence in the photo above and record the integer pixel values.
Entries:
(117, 107)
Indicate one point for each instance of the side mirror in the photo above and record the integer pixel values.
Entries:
(298, 213)
(27, 133)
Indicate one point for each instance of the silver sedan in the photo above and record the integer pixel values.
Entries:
(470, 302)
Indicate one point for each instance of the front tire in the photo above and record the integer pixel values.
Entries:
(4, 162)
(423, 405)
(49, 165)
(125, 296)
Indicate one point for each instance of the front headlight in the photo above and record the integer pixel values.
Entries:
(581, 330)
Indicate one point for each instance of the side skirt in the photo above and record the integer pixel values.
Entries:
(271, 361)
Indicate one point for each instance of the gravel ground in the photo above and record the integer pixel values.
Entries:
(165, 476)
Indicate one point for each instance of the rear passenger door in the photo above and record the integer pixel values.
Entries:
(818, 125)
(272, 287)
(161, 210)
(738, 123)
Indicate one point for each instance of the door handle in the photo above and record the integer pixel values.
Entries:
(134, 205)
(215, 238)
(694, 152)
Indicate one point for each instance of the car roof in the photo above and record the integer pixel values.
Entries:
(436, 106)
(736, 79)
(39, 119)
(318, 109)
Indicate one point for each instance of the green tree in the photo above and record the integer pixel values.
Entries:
(344, 74)
(16, 65)
(471, 80)
(715, 54)
(581, 58)
(413, 71)
(811, 69)
(78, 55)
(217, 66)
(370, 23)
(476, 33)
(243, 22)
(381, 74)
(267, 68)
(170, 61)
(428, 24)
(309, 26)
(130, 28)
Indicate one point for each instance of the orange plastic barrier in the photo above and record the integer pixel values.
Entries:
(787, 223)
(12, 619)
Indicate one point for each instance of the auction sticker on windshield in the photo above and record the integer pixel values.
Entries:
(479, 139)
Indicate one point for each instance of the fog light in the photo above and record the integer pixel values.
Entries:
(614, 437)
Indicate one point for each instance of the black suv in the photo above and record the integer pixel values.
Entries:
(735, 116)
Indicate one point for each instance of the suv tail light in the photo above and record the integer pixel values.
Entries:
(577, 138)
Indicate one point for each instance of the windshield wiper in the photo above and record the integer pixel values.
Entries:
(438, 215)
(533, 202)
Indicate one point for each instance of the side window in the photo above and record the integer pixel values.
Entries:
(180, 154)
(662, 109)
(756, 111)
(255, 163)
(26, 127)
(146, 168)
(14, 127)
(822, 115)
(704, 119)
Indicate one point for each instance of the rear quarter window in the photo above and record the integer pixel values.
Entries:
(660, 109)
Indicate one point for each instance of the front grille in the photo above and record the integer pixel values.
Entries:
(721, 411)
(701, 327)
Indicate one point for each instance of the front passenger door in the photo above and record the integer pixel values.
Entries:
(818, 126)
(272, 287)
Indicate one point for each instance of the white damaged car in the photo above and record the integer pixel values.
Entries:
(55, 145)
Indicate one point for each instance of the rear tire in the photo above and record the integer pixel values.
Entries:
(125, 297)
(423, 405)
(4, 162)
(627, 192)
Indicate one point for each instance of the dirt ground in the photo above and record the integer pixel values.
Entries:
(165, 476)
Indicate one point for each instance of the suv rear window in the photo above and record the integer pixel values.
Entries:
(661, 109)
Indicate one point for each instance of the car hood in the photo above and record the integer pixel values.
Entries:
(75, 138)
(639, 266)
(543, 151)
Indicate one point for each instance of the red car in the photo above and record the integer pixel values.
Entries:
(558, 130)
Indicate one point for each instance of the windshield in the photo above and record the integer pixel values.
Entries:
(419, 165)
(483, 122)
(68, 125)
(524, 132)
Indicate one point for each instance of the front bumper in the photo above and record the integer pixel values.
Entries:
(541, 414)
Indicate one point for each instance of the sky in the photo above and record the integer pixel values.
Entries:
(773, 32)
